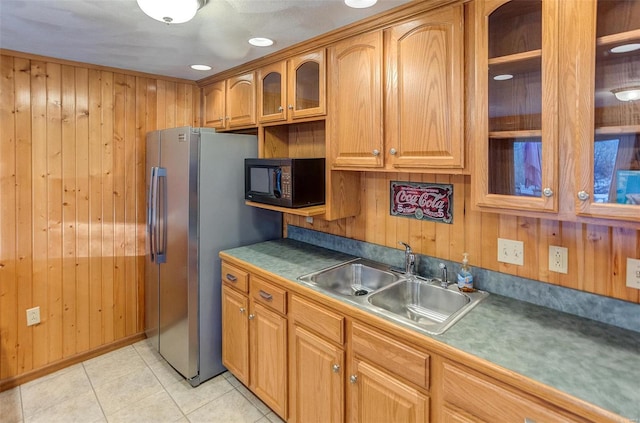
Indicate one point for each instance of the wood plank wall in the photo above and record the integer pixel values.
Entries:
(72, 157)
(597, 254)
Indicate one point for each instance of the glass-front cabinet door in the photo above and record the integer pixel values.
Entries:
(307, 82)
(292, 89)
(608, 181)
(516, 145)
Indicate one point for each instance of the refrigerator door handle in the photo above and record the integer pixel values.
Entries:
(151, 212)
(161, 229)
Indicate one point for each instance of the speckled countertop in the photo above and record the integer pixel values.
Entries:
(592, 361)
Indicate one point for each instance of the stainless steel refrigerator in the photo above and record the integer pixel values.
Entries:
(195, 208)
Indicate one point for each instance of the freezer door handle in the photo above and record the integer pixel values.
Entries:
(160, 224)
(151, 212)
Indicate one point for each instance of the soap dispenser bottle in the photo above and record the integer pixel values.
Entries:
(465, 278)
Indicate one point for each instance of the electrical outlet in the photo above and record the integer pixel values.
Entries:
(33, 316)
(510, 251)
(633, 273)
(558, 259)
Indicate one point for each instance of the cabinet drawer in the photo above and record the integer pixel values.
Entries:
(270, 295)
(389, 353)
(482, 398)
(324, 322)
(235, 278)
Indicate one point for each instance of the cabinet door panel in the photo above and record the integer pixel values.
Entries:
(379, 397)
(241, 101)
(214, 101)
(269, 357)
(356, 102)
(307, 91)
(272, 93)
(317, 377)
(425, 70)
(235, 334)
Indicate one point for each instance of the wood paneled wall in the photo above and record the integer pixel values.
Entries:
(72, 200)
(597, 254)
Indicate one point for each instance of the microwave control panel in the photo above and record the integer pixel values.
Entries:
(285, 187)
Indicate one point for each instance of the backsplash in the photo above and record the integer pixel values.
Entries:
(602, 309)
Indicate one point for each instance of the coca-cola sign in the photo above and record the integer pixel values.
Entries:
(422, 201)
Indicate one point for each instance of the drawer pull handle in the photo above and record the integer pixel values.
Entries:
(266, 295)
(231, 278)
(335, 368)
(353, 379)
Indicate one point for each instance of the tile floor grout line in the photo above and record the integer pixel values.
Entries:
(93, 388)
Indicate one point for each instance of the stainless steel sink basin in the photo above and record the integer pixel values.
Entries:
(356, 278)
(425, 304)
(410, 300)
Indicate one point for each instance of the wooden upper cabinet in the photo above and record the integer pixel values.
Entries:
(214, 105)
(231, 103)
(608, 146)
(425, 75)
(241, 101)
(516, 130)
(292, 89)
(355, 102)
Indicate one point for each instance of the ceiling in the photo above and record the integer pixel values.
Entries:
(118, 34)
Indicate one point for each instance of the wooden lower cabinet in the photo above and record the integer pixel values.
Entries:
(488, 401)
(254, 335)
(377, 396)
(269, 357)
(316, 379)
(311, 363)
(235, 333)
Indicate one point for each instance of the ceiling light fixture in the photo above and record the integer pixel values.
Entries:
(171, 11)
(626, 48)
(201, 67)
(503, 77)
(261, 42)
(627, 94)
(360, 4)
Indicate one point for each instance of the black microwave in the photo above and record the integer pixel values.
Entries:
(285, 182)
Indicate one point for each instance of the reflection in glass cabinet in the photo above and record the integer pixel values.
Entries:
(616, 152)
(308, 86)
(515, 99)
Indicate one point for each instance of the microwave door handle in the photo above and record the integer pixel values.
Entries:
(277, 176)
(161, 229)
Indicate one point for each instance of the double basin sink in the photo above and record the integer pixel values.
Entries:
(414, 301)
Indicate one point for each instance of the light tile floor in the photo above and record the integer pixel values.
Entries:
(132, 384)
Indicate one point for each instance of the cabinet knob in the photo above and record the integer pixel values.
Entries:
(242, 310)
(393, 151)
(547, 192)
(280, 108)
(376, 152)
(583, 196)
(528, 420)
(290, 106)
(353, 378)
(335, 368)
(221, 118)
(251, 316)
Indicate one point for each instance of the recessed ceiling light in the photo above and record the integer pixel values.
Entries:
(503, 77)
(201, 67)
(260, 42)
(626, 48)
(360, 4)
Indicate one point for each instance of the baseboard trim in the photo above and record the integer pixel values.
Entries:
(12, 382)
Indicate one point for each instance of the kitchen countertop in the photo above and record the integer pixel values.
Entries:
(592, 361)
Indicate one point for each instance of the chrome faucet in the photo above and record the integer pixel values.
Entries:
(444, 283)
(409, 259)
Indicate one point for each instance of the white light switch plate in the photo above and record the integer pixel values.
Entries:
(510, 251)
(633, 273)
